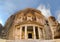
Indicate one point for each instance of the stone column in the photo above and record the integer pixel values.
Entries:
(25, 32)
(20, 32)
(44, 34)
(52, 33)
(34, 32)
(39, 32)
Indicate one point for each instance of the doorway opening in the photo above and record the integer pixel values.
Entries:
(30, 35)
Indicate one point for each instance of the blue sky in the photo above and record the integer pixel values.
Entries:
(8, 7)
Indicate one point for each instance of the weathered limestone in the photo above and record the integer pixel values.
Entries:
(34, 20)
(34, 32)
(25, 32)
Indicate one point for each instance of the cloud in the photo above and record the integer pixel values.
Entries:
(1, 22)
(45, 11)
(7, 8)
(58, 16)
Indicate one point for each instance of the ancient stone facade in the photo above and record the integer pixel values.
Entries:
(30, 24)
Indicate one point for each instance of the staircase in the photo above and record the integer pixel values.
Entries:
(30, 41)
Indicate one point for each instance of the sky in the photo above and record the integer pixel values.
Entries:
(47, 7)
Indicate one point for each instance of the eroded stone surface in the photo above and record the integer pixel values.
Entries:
(46, 28)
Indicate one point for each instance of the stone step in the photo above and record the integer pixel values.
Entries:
(30, 41)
